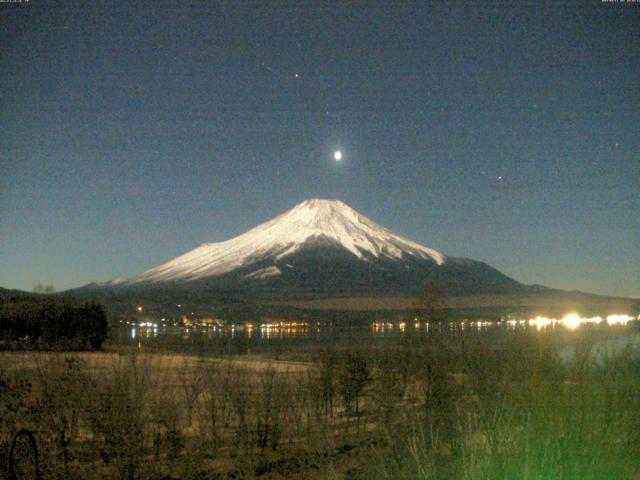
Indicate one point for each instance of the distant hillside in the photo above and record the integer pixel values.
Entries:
(7, 295)
(559, 300)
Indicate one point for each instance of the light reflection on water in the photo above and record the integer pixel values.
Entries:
(572, 321)
(310, 332)
(266, 332)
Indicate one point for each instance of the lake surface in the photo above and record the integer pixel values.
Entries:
(304, 337)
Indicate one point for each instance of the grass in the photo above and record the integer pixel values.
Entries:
(525, 415)
(475, 407)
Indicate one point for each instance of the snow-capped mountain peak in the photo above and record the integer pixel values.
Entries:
(330, 221)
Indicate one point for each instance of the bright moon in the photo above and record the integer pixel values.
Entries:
(337, 155)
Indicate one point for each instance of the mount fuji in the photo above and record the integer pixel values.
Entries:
(318, 249)
(311, 225)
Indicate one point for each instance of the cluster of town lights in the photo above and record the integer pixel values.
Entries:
(573, 321)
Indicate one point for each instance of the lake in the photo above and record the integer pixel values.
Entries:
(292, 337)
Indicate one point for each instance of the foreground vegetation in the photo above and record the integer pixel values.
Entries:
(420, 408)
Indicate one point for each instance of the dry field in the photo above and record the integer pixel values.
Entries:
(417, 409)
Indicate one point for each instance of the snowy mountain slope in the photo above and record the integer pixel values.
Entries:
(320, 250)
(311, 223)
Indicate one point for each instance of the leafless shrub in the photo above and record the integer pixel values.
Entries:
(269, 406)
(192, 381)
(328, 365)
(168, 440)
(61, 384)
(214, 402)
(353, 375)
(15, 395)
(240, 394)
(389, 384)
(117, 414)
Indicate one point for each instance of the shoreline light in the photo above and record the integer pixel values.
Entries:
(573, 320)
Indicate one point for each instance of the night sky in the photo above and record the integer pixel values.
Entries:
(508, 132)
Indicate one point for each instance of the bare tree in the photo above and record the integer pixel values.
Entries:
(193, 384)
(430, 305)
(40, 288)
(353, 376)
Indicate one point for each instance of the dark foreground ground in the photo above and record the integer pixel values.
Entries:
(521, 406)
